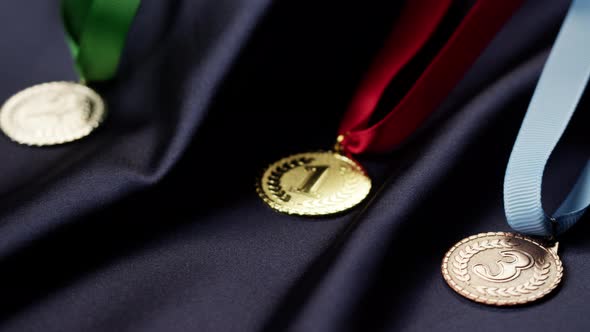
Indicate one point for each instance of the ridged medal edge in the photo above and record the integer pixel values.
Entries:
(477, 298)
(280, 208)
(68, 139)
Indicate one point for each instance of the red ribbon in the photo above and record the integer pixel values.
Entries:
(417, 23)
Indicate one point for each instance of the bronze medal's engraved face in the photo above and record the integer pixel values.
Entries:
(501, 269)
(316, 183)
(51, 113)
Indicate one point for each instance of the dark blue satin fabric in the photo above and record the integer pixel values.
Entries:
(152, 222)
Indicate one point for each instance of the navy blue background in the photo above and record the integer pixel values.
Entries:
(152, 223)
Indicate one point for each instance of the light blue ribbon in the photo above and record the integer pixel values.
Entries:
(554, 101)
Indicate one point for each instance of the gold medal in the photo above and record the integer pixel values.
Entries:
(52, 113)
(502, 269)
(313, 184)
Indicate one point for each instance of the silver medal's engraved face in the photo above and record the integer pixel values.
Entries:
(501, 269)
(51, 113)
(315, 183)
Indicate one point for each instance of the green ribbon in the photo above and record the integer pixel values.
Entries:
(96, 31)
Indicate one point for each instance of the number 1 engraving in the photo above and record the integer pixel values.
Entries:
(312, 180)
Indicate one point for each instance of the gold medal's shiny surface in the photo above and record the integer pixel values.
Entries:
(52, 113)
(315, 183)
(502, 269)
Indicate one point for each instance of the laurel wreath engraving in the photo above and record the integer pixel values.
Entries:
(461, 260)
(545, 273)
(20, 109)
(541, 271)
(348, 189)
(274, 180)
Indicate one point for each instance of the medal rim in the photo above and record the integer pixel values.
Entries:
(501, 303)
(289, 211)
(91, 126)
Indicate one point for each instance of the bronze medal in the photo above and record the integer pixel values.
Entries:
(502, 269)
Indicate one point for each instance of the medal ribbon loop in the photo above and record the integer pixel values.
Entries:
(560, 87)
(96, 31)
(417, 23)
